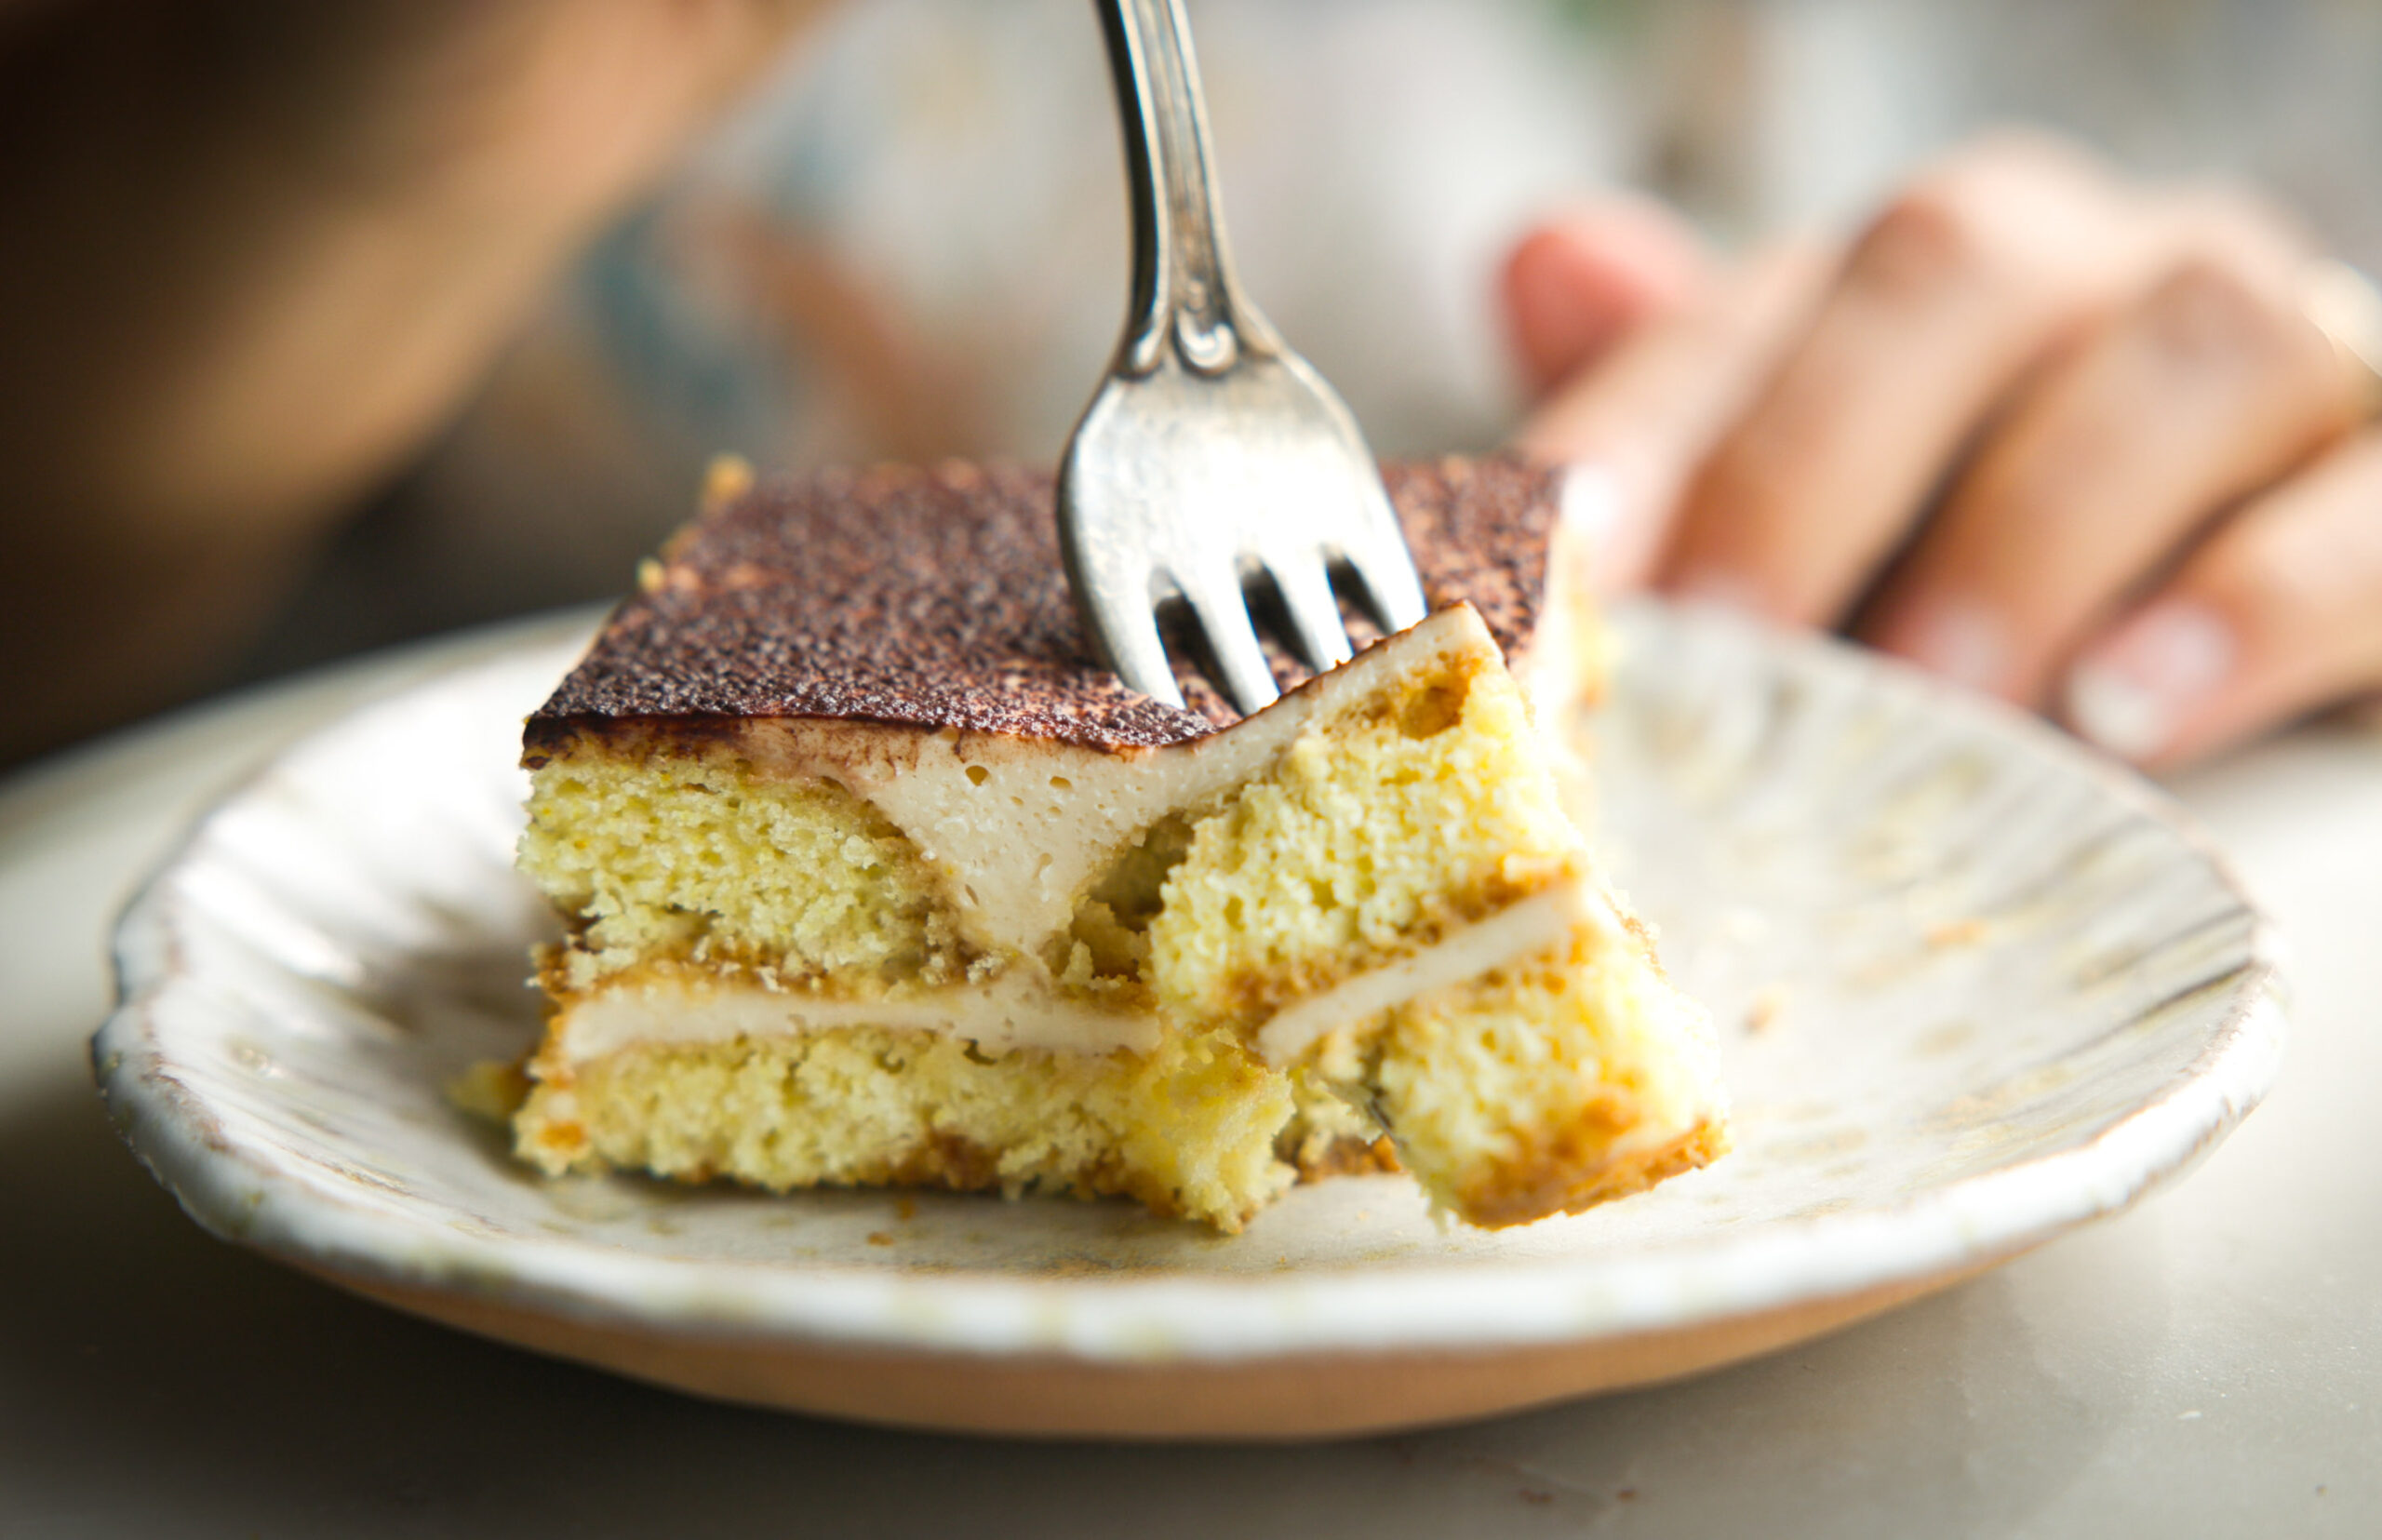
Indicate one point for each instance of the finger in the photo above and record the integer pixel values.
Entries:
(1959, 289)
(2278, 614)
(1583, 280)
(1651, 408)
(2215, 385)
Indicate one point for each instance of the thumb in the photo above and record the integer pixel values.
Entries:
(1645, 413)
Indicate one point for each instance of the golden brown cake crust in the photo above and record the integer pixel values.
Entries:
(1573, 1173)
(934, 599)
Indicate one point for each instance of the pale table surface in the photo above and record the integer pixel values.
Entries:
(2208, 1364)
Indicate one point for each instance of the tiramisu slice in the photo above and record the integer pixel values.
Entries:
(872, 878)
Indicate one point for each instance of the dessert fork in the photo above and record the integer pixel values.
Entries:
(1213, 461)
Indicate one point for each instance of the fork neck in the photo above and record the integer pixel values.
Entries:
(1185, 294)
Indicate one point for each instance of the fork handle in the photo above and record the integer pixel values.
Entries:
(1185, 294)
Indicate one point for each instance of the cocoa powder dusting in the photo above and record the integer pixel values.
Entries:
(934, 599)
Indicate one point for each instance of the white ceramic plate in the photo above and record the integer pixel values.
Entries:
(1975, 988)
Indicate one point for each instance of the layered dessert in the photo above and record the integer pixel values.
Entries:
(870, 876)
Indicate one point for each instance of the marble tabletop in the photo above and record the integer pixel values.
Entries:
(2210, 1363)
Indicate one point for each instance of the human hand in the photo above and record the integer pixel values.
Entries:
(2071, 442)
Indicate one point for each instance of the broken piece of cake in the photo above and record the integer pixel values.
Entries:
(872, 878)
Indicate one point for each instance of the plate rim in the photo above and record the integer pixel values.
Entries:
(240, 1194)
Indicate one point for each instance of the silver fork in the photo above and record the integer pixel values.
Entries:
(1213, 459)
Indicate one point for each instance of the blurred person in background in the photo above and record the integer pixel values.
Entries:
(440, 307)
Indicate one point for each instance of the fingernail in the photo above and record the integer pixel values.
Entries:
(1718, 588)
(1589, 503)
(2132, 693)
(1965, 643)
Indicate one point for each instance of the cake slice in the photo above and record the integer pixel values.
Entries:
(871, 877)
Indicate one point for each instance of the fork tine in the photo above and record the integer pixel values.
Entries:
(1393, 590)
(1127, 635)
(1223, 611)
(1305, 588)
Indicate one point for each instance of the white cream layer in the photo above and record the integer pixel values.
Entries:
(1018, 1010)
(1021, 1010)
(1524, 929)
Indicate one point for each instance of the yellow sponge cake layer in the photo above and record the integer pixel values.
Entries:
(1188, 1130)
(691, 854)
